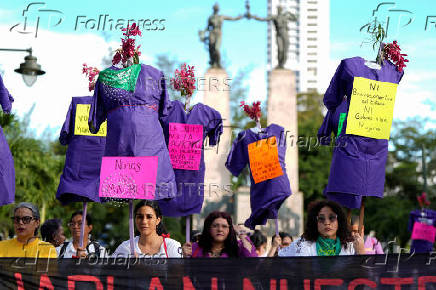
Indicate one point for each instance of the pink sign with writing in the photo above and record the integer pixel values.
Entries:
(423, 231)
(128, 177)
(185, 145)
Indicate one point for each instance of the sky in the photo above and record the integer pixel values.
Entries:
(63, 48)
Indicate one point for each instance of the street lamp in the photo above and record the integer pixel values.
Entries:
(29, 69)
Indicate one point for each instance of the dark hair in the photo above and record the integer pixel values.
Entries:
(258, 239)
(160, 229)
(311, 231)
(195, 235)
(230, 244)
(49, 229)
(284, 235)
(79, 212)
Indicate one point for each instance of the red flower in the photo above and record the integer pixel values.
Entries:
(128, 49)
(392, 51)
(184, 80)
(254, 111)
(91, 72)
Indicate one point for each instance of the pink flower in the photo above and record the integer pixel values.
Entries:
(184, 80)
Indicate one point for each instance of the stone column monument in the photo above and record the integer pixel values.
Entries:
(217, 190)
(282, 110)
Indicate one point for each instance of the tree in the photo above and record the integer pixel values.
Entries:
(313, 159)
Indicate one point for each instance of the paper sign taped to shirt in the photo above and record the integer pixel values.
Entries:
(81, 122)
(185, 145)
(128, 177)
(264, 159)
(423, 231)
(371, 108)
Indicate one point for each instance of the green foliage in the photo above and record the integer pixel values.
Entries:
(313, 161)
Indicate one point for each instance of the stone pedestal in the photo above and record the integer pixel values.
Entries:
(217, 190)
(282, 110)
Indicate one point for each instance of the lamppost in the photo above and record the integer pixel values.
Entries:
(29, 69)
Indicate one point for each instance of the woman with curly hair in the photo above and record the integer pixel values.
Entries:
(326, 234)
(220, 239)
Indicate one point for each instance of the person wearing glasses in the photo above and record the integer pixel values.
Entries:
(26, 221)
(90, 247)
(153, 240)
(326, 234)
(219, 239)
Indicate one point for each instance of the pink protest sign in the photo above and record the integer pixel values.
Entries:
(423, 231)
(185, 144)
(128, 177)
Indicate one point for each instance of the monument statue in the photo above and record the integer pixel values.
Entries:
(280, 21)
(213, 39)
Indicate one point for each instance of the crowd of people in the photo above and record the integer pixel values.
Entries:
(326, 233)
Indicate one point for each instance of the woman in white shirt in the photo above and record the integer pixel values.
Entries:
(153, 240)
(326, 234)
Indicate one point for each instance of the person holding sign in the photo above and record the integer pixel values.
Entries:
(326, 234)
(358, 165)
(7, 170)
(264, 150)
(81, 175)
(26, 221)
(219, 239)
(73, 249)
(153, 240)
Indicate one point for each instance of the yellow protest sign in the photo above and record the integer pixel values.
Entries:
(81, 122)
(371, 108)
(264, 159)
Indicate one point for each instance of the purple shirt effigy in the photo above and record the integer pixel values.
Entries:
(80, 178)
(421, 246)
(358, 163)
(7, 169)
(267, 196)
(133, 123)
(190, 183)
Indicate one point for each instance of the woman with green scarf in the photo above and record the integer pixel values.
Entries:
(326, 234)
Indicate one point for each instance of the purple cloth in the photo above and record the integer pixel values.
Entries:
(7, 169)
(267, 196)
(421, 246)
(197, 252)
(190, 183)
(358, 163)
(133, 123)
(80, 178)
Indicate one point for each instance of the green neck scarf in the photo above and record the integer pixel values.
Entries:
(328, 247)
(122, 79)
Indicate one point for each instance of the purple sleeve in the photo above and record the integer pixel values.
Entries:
(411, 222)
(97, 113)
(67, 131)
(5, 98)
(326, 129)
(237, 159)
(164, 102)
(214, 127)
(243, 252)
(336, 90)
